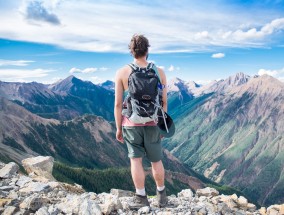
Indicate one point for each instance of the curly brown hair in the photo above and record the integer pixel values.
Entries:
(138, 45)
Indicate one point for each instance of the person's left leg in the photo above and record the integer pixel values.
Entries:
(158, 172)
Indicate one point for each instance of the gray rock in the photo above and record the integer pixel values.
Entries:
(109, 203)
(13, 195)
(121, 193)
(40, 166)
(144, 210)
(9, 170)
(74, 204)
(23, 180)
(52, 210)
(9, 210)
(42, 211)
(208, 191)
(240, 212)
(7, 188)
(186, 194)
(202, 211)
(224, 209)
(125, 202)
(34, 187)
(251, 207)
(33, 202)
(242, 201)
(89, 207)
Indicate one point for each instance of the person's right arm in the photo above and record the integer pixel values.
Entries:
(118, 105)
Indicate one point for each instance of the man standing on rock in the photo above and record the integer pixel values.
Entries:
(142, 139)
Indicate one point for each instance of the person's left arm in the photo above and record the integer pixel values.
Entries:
(165, 90)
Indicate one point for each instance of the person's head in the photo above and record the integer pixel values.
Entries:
(138, 46)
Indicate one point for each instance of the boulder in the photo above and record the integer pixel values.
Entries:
(275, 208)
(188, 194)
(34, 187)
(242, 202)
(251, 207)
(121, 193)
(109, 203)
(42, 211)
(9, 170)
(9, 210)
(262, 211)
(39, 166)
(234, 197)
(144, 210)
(23, 180)
(208, 191)
(82, 205)
(33, 202)
(89, 207)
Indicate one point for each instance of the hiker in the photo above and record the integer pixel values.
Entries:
(141, 137)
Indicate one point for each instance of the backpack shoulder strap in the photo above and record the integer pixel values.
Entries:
(133, 66)
(153, 66)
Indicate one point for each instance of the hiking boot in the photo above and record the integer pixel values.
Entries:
(162, 198)
(138, 202)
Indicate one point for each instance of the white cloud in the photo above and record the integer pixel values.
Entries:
(87, 70)
(253, 33)
(75, 70)
(275, 73)
(218, 55)
(171, 68)
(104, 26)
(15, 62)
(22, 74)
(201, 35)
(103, 69)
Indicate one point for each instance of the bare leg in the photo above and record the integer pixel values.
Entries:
(158, 173)
(137, 172)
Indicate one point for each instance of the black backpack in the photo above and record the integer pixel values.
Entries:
(144, 94)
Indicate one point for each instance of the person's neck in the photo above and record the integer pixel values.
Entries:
(141, 62)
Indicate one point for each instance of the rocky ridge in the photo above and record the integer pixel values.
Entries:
(36, 194)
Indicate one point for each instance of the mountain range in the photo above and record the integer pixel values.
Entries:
(230, 131)
(233, 134)
(63, 100)
(87, 141)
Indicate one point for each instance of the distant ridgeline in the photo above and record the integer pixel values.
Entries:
(230, 131)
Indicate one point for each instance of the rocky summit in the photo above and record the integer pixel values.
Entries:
(36, 194)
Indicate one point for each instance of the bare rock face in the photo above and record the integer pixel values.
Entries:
(121, 193)
(208, 191)
(23, 195)
(9, 170)
(39, 166)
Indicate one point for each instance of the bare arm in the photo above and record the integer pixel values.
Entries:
(118, 105)
(165, 90)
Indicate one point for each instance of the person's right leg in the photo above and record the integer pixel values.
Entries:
(133, 137)
(138, 177)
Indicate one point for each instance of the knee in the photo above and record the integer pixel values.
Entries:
(136, 161)
(158, 167)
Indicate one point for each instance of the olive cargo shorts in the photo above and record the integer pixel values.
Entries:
(143, 140)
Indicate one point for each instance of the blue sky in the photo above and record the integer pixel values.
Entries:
(47, 40)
